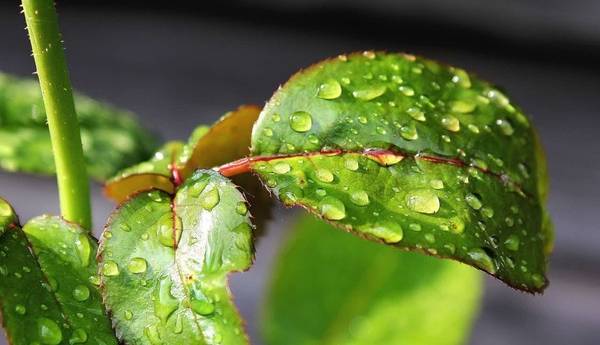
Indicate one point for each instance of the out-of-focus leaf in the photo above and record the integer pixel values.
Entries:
(227, 140)
(332, 288)
(165, 259)
(409, 152)
(111, 138)
(47, 291)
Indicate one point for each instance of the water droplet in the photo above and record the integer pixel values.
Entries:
(210, 199)
(462, 107)
(381, 130)
(276, 117)
(241, 208)
(351, 164)
(461, 78)
(406, 90)
(330, 89)
(430, 238)
(509, 222)
(482, 260)
(301, 121)
(505, 126)
(360, 198)
(198, 187)
(451, 123)
(436, 184)
(152, 333)
(137, 265)
(369, 54)
(79, 336)
(324, 175)
(473, 128)
(369, 93)
(94, 280)
(487, 212)
(473, 201)
(538, 280)
(512, 243)
(202, 307)
(409, 132)
(110, 269)
(84, 249)
(81, 293)
(20, 309)
(281, 168)
(332, 208)
(268, 132)
(169, 230)
(423, 201)
(164, 303)
(128, 315)
(48, 332)
(416, 114)
(388, 232)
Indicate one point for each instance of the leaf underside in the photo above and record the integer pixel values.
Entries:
(412, 153)
(47, 291)
(111, 138)
(165, 259)
(329, 287)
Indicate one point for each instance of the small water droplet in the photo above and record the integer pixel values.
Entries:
(276, 117)
(369, 54)
(94, 280)
(409, 132)
(473, 128)
(110, 269)
(461, 78)
(487, 212)
(430, 238)
(81, 293)
(301, 121)
(137, 265)
(360, 198)
(416, 114)
(198, 187)
(330, 89)
(124, 227)
(463, 107)
(281, 168)
(538, 280)
(332, 208)
(351, 164)
(423, 201)
(369, 93)
(49, 332)
(84, 249)
(210, 199)
(451, 123)
(241, 208)
(387, 231)
(79, 336)
(324, 175)
(202, 307)
(505, 127)
(128, 315)
(436, 184)
(268, 132)
(512, 243)
(20, 309)
(473, 201)
(482, 260)
(415, 227)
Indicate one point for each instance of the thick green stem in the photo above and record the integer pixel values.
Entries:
(48, 52)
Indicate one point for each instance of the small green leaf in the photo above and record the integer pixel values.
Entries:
(227, 140)
(412, 153)
(165, 260)
(332, 288)
(47, 295)
(111, 138)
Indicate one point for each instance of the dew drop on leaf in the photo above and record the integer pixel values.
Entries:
(369, 93)
(332, 208)
(512, 243)
(20, 309)
(301, 121)
(49, 332)
(241, 208)
(164, 303)
(482, 260)
(351, 164)
(281, 168)
(324, 175)
(473, 201)
(110, 268)
(202, 307)
(360, 198)
(416, 114)
(505, 127)
(330, 89)
(81, 293)
(137, 265)
(210, 199)
(451, 123)
(423, 201)
(388, 232)
(79, 336)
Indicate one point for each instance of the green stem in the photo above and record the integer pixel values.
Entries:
(48, 52)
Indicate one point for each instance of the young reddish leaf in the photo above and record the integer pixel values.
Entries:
(111, 138)
(47, 291)
(409, 152)
(329, 287)
(165, 260)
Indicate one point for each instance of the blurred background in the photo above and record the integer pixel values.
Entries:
(179, 65)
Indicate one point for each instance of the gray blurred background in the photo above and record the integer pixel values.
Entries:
(178, 65)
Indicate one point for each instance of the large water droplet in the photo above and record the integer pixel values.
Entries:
(81, 293)
(169, 230)
(164, 303)
(281, 168)
(512, 243)
(330, 89)
(451, 123)
(351, 164)
(473, 201)
(388, 232)
(210, 199)
(110, 268)
(48, 332)
(137, 265)
(198, 187)
(369, 93)
(324, 175)
(79, 336)
(360, 198)
(482, 260)
(423, 201)
(301, 121)
(332, 208)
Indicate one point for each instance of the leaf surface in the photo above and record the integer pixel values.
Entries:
(111, 138)
(47, 291)
(409, 152)
(329, 287)
(165, 261)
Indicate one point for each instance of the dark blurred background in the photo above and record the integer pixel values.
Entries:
(178, 65)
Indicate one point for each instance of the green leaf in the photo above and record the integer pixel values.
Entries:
(329, 287)
(416, 154)
(47, 294)
(228, 139)
(111, 138)
(165, 261)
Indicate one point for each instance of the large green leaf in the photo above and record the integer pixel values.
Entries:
(409, 152)
(332, 288)
(47, 291)
(165, 260)
(111, 138)
(227, 140)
